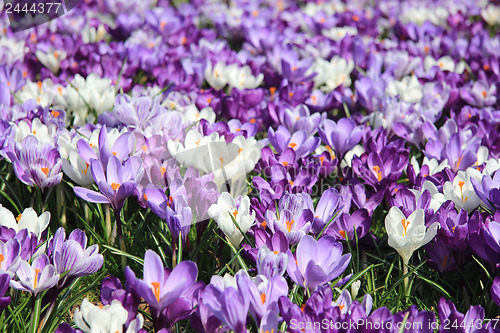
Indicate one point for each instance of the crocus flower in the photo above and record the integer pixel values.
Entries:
(407, 234)
(37, 277)
(116, 184)
(271, 263)
(4, 286)
(461, 191)
(485, 241)
(222, 211)
(72, 256)
(340, 136)
(317, 262)
(262, 292)
(9, 257)
(28, 219)
(488, 190)
(299, 141)
(110, 318)
(229, 305)
(35, 163)
(161, 287)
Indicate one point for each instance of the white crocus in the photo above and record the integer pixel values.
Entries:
(51, 59)
(491, 14)
(247, 154)
(407, 234)
(445, 63)
(437, 198)
(332, 73)
(216, 75)
(197, 150)
(357, 150)
(44, 134)
(91, 318)
(94, 92)
(408, 89)
(225, 210)
(242, 78)
(492, 165)
(28, 219)
(42, 92)
(338, 33)
(191, 114)
(433, 165)
(461, 191)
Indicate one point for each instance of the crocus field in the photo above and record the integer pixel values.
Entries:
(251, 166)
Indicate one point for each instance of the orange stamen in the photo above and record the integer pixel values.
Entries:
(115, 186)
(19, 217)
(289, 225)
(84, 171)
(292, 145)
(45, 171)
(55, 114)
(376, 168)
(272, 90)
(235, 213)
(36, 277)
(342, 233)
(263, 298)
(484, 93)
(156, 290)
(405, 225)
(263, 224)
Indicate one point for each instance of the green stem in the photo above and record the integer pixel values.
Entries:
(121, 239)
(406, 280)
(35, 314)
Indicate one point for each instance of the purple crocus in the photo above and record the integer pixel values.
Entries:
(72, 256)
(299, 141)
(161, 287)
(317, 262)
(229, 305)
(328, 209)
(488, 191)
(340, 136)
(116, 183)
(175, 211)
(35, 163)
(4, 287)
(9, 257)
(495, 291)
(37, 277)
(271, 263)
(350, 226)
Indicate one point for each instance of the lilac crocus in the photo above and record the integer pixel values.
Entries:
(9, 257)
(271, 263)
(350, 226)
(340, 136)
(37, 277)
(327, 209)
(229, 305)
(262, 292)
(161, 287)
(317, 262)
(36, 163)
(299, 141)
(72, 256)
(488, 190)
(175, 211)
(117, 182)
